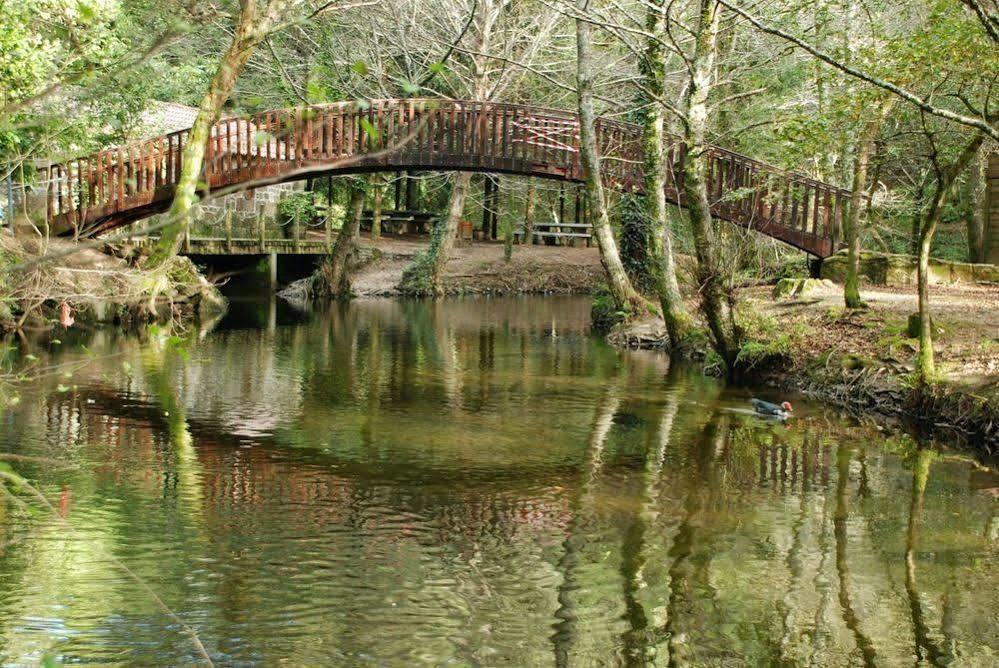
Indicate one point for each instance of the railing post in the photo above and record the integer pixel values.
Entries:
(228, 229)
(261, 230)
(296, 233)
(328, 225)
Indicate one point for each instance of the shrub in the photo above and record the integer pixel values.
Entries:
(298, 207)
(604, 313)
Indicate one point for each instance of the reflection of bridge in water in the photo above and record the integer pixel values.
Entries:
(106, 190)
(653, 526)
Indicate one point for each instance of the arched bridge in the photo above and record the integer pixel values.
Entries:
(106, 190)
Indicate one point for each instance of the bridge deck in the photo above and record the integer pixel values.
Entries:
(237, 246)
(100, 192)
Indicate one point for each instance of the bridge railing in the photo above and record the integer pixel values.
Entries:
(115, 186)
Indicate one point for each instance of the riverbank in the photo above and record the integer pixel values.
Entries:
(55, 282)
(480, 268)
(864, 360)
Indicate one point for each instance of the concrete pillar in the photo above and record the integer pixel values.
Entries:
(992, 210)
(410, 192)
(272, 267)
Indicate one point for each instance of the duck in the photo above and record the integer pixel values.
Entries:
(781, 411)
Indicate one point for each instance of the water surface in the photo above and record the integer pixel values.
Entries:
(470, 482)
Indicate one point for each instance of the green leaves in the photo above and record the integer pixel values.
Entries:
(369, 129)
(261, 137)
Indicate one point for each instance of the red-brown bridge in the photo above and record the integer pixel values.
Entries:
(100, 192)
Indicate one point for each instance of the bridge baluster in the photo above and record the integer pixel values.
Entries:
(448, 134)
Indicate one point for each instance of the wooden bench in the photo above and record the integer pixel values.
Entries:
(568, 232)
(401, 222)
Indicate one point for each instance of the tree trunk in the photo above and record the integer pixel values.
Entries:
(245, 39)
(625, 297)
(376, 207)
(925, 366)
(336, 270)
(446, 231)
(977, 219)
(714, 302)
(660, 241)
(859, 192)
(861, 161)
(528, 237)
(494, 211)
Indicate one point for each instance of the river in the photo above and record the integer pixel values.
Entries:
(466, 482)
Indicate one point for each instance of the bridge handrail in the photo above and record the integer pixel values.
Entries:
(124, 182)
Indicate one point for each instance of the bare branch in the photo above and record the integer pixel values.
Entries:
(920, 102)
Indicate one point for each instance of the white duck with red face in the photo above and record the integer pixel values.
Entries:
(782, 411)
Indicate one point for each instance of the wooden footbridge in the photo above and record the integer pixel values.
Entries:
(103, 191)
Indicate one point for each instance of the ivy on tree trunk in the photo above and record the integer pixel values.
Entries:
(626, 298)
(662, 265)
(725, 335)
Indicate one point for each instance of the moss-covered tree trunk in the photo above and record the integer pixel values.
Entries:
(248, 34)
(425, 277)
(376, 206)
(858, 194)
(532, 194)
(977, 184)
(443, 240)
(861, 162)
(717, 310)
(925, 365)
(335, 274)
(660, 239)
(625, 296)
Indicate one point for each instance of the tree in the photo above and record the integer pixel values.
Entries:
(718, 313)
(425, 277)
(334, 270)
(946, 175)
(625, 296)
(858, 196)
(663, 266)
(255, 21)
(252, 25)
(978, 219)
(922, 102)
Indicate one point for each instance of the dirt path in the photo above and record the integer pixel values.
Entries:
(479, 267)
(966, 316)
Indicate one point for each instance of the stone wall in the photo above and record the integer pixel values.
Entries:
(251, 202)
(889, 269)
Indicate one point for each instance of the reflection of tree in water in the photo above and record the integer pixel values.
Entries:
(688, 570)
(840, 521)
(565, 628)
(640, 643)
(926, 647)
(404, 452)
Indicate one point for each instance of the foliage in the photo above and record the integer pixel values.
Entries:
(633, 242)
(416, 279)
(300, 208)
(766, 341)
(604, 313)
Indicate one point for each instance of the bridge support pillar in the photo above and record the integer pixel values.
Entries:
(815, 267)
(272, 267)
